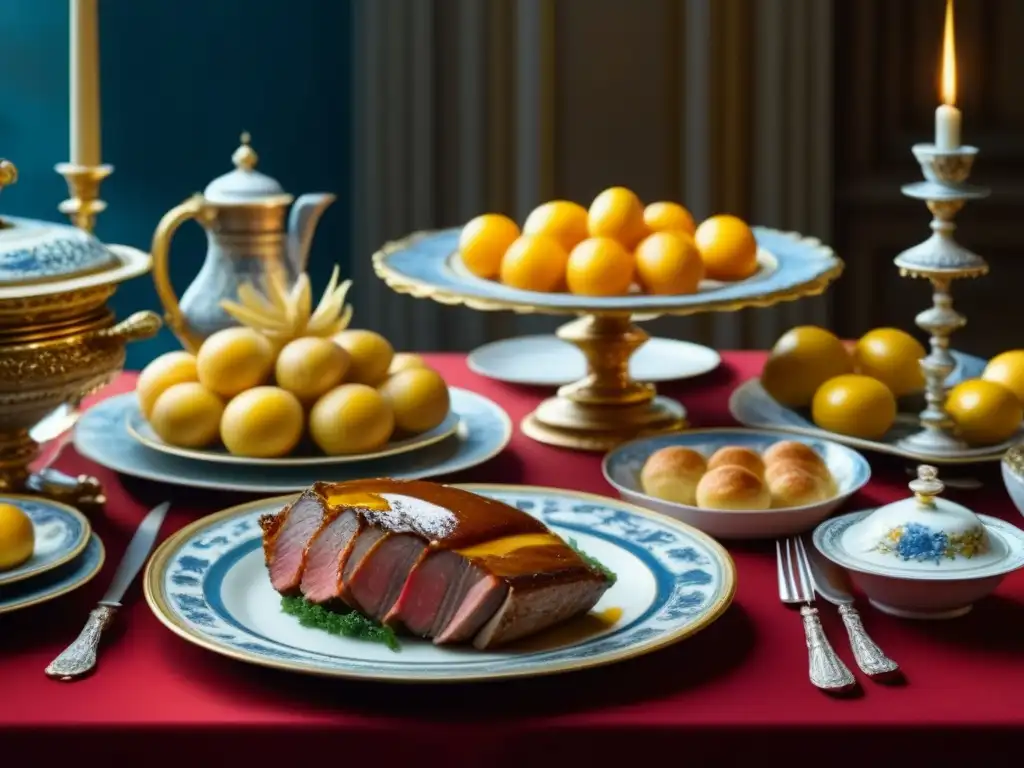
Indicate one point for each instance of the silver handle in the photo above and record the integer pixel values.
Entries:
(827, 670)
(869, 656)
(79, 658)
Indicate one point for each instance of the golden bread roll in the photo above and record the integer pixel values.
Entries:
(672, 473)
(732, 488)
(782, 466)
(794, 487)
(737, 456)
(791, 449)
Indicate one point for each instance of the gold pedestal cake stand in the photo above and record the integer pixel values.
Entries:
(606, 407)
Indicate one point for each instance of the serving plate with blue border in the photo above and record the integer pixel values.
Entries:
(56, 582)
(61, 533)
(208, 583)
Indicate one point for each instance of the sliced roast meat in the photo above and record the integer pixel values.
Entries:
(286, 536)
(327, 554)
(378, 579)
(365, 541)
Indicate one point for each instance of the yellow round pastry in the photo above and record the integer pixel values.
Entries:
(803, 359)
(163, 372)
(483, 242)
(17, 537)
(985, 413)
(617, 213)
(668, 263)
(728, 248)
(732, 488)
(893, 357)
(1007, 369)
(672, 473)
(370, 355)
(263, 422)
(793, 487)
(535, 263)
(600, 266)
(669, 217)
(563, 220)
(854, 405)
(418, 397)
(309, 366)
(352, 418)
(187, 415)
(737, 456)
(784, 466)
(792, 449)
(403, 360)
(233, 360)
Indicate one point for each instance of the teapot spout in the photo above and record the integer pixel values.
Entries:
(302, 221)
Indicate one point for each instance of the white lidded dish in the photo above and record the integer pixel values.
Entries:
(923, 556)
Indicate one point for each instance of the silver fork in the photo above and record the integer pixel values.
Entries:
(826, 669)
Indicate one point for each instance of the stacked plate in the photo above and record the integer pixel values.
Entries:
(115, 435)
(67, 554)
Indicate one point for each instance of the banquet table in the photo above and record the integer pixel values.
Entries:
(737, 690)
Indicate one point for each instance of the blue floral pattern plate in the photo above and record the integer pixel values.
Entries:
(56, 582)
(101, 436)
(208, 583)
(61, 533)
(753, 407)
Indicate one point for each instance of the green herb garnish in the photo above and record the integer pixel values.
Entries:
(593, 563)
(348, 624)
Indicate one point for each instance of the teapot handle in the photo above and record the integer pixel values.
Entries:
(193, 208)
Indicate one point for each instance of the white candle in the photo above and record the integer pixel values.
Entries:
(85, 83)
(947, 116)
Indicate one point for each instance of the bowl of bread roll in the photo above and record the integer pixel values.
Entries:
(738, 483)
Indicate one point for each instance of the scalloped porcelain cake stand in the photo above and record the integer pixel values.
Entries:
(606, 407)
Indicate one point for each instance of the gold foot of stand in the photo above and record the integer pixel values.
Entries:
(18, 451)
(606, 407)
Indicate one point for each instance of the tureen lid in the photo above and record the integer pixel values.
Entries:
(34, 252)
(245, 184)
(923, 532)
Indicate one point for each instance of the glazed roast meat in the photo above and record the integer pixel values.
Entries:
(428, 559)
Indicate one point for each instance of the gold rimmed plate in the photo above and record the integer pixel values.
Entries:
(305, 456)
(208, 583)
(60, 533)
(56, 582)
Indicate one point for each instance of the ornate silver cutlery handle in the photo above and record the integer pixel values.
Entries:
(79, 658)
(869, 656)
(827, 670)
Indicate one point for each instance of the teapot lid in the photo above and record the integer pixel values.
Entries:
(923, 532)
(34, 252)
(245, 184)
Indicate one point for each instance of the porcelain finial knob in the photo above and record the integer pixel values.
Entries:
(927, 485)
(245, 156)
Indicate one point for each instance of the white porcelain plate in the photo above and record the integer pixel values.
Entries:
(209, 584)
(547, 361)
(61, 533)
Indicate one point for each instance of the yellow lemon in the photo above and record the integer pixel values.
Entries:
(984, 412)
(600, 266)
(404, 360)
(17, 537)
(418, 397)
(483, 242)
(669, 263)
(263, 422)
(854, 405)
(187, 415)
(728, 248)
(352, 418)
(893, 357)
(563, 220)
(534, 263)
(370, 356)
(802, 360)
(163, 372)
(669, 217)
(309, 366)
(233, 360)
(1007, 369)
(617, 213)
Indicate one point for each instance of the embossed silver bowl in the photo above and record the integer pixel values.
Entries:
(1013, 475)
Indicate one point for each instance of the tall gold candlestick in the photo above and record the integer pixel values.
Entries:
(83, 203)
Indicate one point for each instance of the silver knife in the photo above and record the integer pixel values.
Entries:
(829, 582)
(79, 658)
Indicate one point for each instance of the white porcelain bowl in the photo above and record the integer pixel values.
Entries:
(913, 592)
(849, 469)
(1013, 475)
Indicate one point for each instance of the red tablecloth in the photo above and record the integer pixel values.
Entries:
(737, 690)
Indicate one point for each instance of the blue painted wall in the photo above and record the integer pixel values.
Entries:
(180, 81)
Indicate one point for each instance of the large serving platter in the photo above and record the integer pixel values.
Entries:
(101, 435)
(61, 533)
(140, 429)
(208, 583)
(753, 407)
(57, 582)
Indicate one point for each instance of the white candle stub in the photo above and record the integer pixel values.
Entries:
(947, 128)
(85, 83)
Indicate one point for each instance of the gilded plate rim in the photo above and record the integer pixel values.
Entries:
(152, 585)
(74, 552)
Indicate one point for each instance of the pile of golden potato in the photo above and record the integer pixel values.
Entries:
(854, 390)
(351, 392)
(609, 250)
(17, 537)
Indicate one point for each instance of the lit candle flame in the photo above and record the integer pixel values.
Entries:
(949, 58)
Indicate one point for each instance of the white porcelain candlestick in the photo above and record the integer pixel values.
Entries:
(85, 83)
